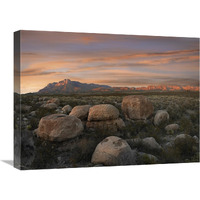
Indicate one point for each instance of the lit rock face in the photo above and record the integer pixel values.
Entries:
(59, 127)
(104, 117)
(113, 151)
(137, 107)
(103, 112)
(161, 116)
(80, 112)
(67, 109)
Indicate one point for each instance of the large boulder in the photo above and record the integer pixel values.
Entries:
(113, 151)
(54, 100)
(161, 116)
(103, 112)
(67, 109)
(137, 107)
(109, 125)
(50, 106)
(59, 127)
(80, 112)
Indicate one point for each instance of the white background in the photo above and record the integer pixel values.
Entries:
(166, 18)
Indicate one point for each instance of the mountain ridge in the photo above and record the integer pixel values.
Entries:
(68, 86)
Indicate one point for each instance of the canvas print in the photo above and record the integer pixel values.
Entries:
(95, 100)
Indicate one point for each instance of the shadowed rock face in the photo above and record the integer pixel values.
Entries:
(80, 112)
(59, 127)
(137, 107)
(109, 125)
(103, 112)
(113, 151)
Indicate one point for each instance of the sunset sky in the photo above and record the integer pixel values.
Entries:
(115, 60)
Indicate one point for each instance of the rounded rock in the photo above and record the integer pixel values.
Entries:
(172, 127)
(59, 127)
(113, 151)
(67, 109)
(161, 116)
(137, 107)
(80, 112)
(103, 112)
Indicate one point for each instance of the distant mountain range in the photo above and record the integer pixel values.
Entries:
(68, 86)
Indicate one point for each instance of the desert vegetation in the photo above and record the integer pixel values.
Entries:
(102, 129)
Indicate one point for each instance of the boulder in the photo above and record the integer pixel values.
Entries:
(109, 125)
(161, 116)
(137, 107)
(59, 127)
(54, 100)
(172, 128)
(150, 143)
(50, 106)
(182, 137)
(80, 112)
(103, 112)
(67, 109)
(113, 151)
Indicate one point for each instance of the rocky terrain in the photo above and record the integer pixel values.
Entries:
(106, 130)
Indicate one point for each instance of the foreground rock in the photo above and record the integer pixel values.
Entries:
(67, 109)
(59, 127)
(80, 112)
(186, 145)
(137, 107)
(161, 116)
(109, 125)
(113, 151)
(103, 112)
(171, 128)
(54, 100)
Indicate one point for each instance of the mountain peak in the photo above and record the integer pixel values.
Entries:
(68, 86)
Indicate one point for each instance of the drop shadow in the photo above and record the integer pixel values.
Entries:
(9, 162)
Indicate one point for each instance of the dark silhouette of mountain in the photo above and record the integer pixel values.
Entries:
(68, 86)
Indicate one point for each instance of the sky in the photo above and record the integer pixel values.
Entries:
(115, 60)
